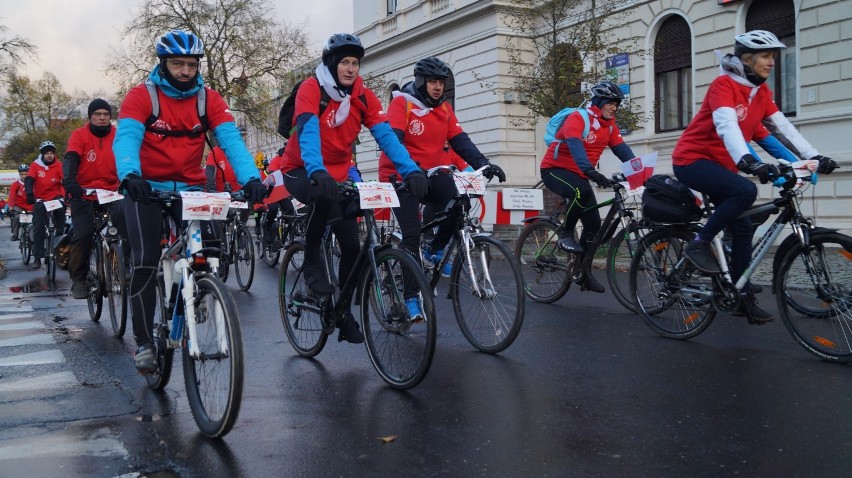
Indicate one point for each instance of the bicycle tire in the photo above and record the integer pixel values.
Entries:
(813, 295)
(26, 245)
(269, 254)
(243, 253)
(94, 287)
(676, 302)
(544, 267)
(160, 334)
(116, 284)
(400, 349)
(490, 323)
(214, 381)
(226, 256)
(622, 248)
(332, 259)
(298, 306)
(49, 260)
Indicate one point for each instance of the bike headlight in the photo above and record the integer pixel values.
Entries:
(475, 222)
(112, 231)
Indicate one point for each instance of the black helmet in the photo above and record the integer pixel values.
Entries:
(339, 46)
(607, 90)
(46, 146)
(23, 168)
(424, 70)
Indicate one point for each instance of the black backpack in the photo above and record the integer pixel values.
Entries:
(286, 124)
(667, 200)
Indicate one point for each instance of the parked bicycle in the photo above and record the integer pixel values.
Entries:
(400, 347)
(549, 271)
(237, 246)
(810, 270)
(107, 275)
(197, 314)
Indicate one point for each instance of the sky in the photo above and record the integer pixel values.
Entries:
(72, 36)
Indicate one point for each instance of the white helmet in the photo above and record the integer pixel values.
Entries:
(755, 41)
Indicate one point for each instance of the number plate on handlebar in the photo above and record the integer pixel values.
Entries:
(804, 169)
(52, 205)
(469, 182)
(239, 205)
(376, 195)
(25, 218)
(105, 196)
(204, 206)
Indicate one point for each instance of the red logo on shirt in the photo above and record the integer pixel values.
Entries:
(416, 127)
(41, 174)
(92, 156)
(742, 112)
(592, 137)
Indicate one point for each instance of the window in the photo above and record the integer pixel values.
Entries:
(672, 75)
(778, 17)
(391, 7)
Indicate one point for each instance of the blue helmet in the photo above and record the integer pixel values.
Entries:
(179, 43)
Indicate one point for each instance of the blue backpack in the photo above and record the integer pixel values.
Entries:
(558, 120)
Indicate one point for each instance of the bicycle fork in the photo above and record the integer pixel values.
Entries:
(486, 289)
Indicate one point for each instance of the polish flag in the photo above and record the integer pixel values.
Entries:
(638, 170)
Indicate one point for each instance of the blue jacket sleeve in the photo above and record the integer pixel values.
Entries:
(307, 127)
(623, 152)
(578, 152)
(468, 151)
(231, 141)
(773, 146)
(126, 145)
(354, 174)
(396, 152)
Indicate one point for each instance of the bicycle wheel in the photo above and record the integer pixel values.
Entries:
(243, 254)
(164, 354)
(269, 253)
(622, 248)
(26, 245)
(94, 297)
(544, 266)
(116, 284)
(300, 309)
(814, 294)
(214, 379)
(400, 348)
(332, 258)
(226, 256)
(673, 297)
(488, 295)
(49, 258)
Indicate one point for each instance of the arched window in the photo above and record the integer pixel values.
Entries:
(673, 75)
(393, 87)
(450, 89)
(778, 17)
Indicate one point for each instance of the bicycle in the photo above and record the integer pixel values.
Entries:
(287, 227)
(50, 237)
(107, 275)
(400, 347)
(810, 272)
(485, 282)
(236, 245)
(548, 271)
(25, 242)
(196, 313)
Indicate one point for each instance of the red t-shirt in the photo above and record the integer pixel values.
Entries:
(97, 162)
(424, 137)
(335, 142)
(602, 133)
(170, 158)
(701, 141)
(223, 168)
(48, 180)
(18, 196)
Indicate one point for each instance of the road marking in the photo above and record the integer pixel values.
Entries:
(61, 444)
(15, 316)
(22, 326)
(38, 339)
(13, 310)
(44, 382)
(35, 358)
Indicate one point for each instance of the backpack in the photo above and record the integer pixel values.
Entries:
(286, 126)
(558, 120)
(667, 200)
(201, 106)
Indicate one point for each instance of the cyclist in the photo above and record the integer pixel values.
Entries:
(424, 121)
(279, 199)
(166, 154)
(44, 183)
(567, 170)
(18, 200)
(89, 163)
(320, 155)
(708, 155)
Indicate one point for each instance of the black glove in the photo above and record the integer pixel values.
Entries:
(74, 190)
(765, 172)
(598, 178)
(494, 170)
(417, 183)
(326, 185)
(254, 191)
(136, 188)
(30, 198)
(826, 165)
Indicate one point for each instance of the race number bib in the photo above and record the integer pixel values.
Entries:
(204, 206)
(105, 196)
(377, 195)
(469, 182)
(52, 205)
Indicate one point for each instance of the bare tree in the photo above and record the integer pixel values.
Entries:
(247, 52)
(32, 106)
(13, 50)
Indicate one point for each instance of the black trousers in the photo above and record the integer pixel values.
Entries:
(83, 230)
(570, 185)
(40, 226)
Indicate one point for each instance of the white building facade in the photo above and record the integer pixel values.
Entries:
(815, 76)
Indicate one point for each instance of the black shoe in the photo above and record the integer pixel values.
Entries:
(37, 263)
(752, 288)
(749, 309)
(568, 244)
(145, 361)
(588, 282)
(701, 255)
(79, 289)
(315, 278)
(350, 331)
(15, 239)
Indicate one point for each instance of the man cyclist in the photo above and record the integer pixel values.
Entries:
(165, 153)
(571, 161)
(44, 183)
(18, 200)
(424, 122)
(737, 108)
(89, 163)
(320, 155)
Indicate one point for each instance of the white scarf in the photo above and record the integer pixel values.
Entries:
(420, 110)
(732, 67)
(327, 82)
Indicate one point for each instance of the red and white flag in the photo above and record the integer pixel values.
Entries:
(638, 170)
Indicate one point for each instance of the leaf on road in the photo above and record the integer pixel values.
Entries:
(388, 438)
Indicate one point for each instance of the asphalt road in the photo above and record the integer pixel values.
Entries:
(586, 390)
